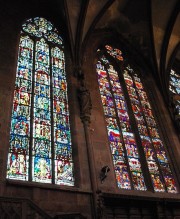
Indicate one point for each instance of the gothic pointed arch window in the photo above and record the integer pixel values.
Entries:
(40, 138)
(138, 152)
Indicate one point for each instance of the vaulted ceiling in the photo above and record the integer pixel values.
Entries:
(151, 27)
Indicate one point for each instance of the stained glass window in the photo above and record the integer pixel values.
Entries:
(40, 139)
(124, 105)
(121, 137)
(174, 88)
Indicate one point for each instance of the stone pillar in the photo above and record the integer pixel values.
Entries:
(85, 113)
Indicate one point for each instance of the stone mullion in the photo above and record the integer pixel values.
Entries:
(32, 113)
(52, 118)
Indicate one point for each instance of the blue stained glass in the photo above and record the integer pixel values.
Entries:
(42, 114)
(40, 109)
(41, 147)
(20, 112)
(42, 56)
(174, 88)
(20, 127)
(63, 149)
(39, 27)
(19, 143)
(42, 119)
(42, 90)
(122, 175)
(42, 169)
(20, 123)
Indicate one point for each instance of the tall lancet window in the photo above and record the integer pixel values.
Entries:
(138, 152)
(174, 88)
(40, 139)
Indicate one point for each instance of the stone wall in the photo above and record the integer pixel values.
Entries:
(53, 198)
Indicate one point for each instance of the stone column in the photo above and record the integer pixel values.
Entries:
(85, 113)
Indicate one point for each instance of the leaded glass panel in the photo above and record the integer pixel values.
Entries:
(174, 88)
(40, 137)
(122, 138)
(157, 161)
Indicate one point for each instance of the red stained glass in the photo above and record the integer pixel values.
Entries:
(40, 128)
(121, 139)
(153, 147)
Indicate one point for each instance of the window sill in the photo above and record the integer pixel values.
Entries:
(47, 186)
(144, 194)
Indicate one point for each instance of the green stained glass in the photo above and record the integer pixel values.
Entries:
(40, 27)
(40, 134)
(18, 158)
(63, 149)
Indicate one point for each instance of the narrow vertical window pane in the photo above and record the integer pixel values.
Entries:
(40, 139)
(62, 137)
(122, 140)
(174, 88)
(157, 161)
(174, 82)
(41, 160)
(18, 158)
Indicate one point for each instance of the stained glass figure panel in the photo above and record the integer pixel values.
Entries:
(121, 137)
(174, 88)
(40, 134)
(156, 158)
(42, 169)
(42, 119)
(122, 142)
(18, 157)
(62, 138)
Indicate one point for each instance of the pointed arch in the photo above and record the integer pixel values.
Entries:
(40, 138)
(138, 152)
